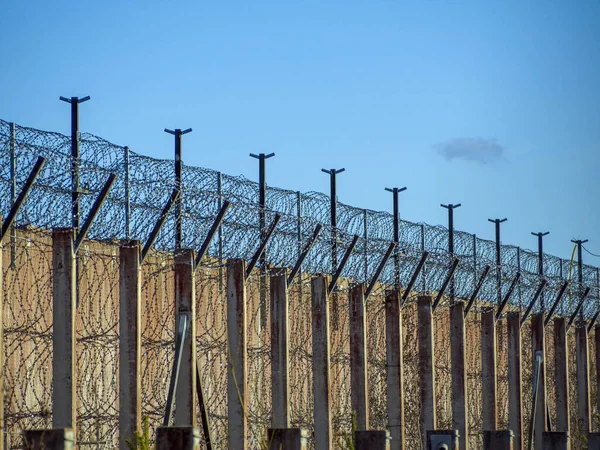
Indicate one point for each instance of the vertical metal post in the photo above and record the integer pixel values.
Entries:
(424, 271)
(540, 237)
(366, 243)
(333, 214)
(579, 243)
(475, 261)
(450, 207)
(178, 185)
(127, 194)
(299, 235)
(13, 192)
(262, 225)
(220, 230)
(396, 214)
(74, 102)
(497, 223)
(519, 293)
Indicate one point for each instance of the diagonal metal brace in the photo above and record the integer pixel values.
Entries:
(384, 261)
(338, 272)
(263, 245)
(478, 287)
(184, 320)
(203, 409)
(556, 302)
(593, 321)
(583, 297)
(445, 285)
(510, 291)
(12, 215)
(413, 279)
(304, 253)
(159, 223)
(94, 211)
(541, 287)
(211, 233)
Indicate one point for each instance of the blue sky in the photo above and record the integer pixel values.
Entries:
(492, 104)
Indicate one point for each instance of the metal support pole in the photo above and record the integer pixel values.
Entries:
(540, 237)
(127, 182)
(497, 223)
(333, 210)
(450, 207)
(262, 224)
(220, 231)
(299, 237)
(424, 274)
(583, 378)
(13, 194)
(579, 243)
(178, 185)
(75, 190)
(395, 191)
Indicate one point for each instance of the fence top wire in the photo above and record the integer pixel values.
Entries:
(144, 185)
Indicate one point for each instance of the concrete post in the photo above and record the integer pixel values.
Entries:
(539, 345)
(498, 440)
(358, 357)
(460, 411)
(130, 337)
(2, 364)
(185, 303)
(280, 388)
(287, 438)
(561, 375)
(394, 369)
(426, 366)
(488, 369)
(177, 438)
(597, 346)
(236, 347)
(583, 377)
(321, 376)
(515, 394)
(556, 440)
(54, 439)
(63, 335)
(372, 440)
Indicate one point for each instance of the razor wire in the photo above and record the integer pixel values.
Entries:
(144, 185)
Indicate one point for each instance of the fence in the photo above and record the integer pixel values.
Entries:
(143, 185)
